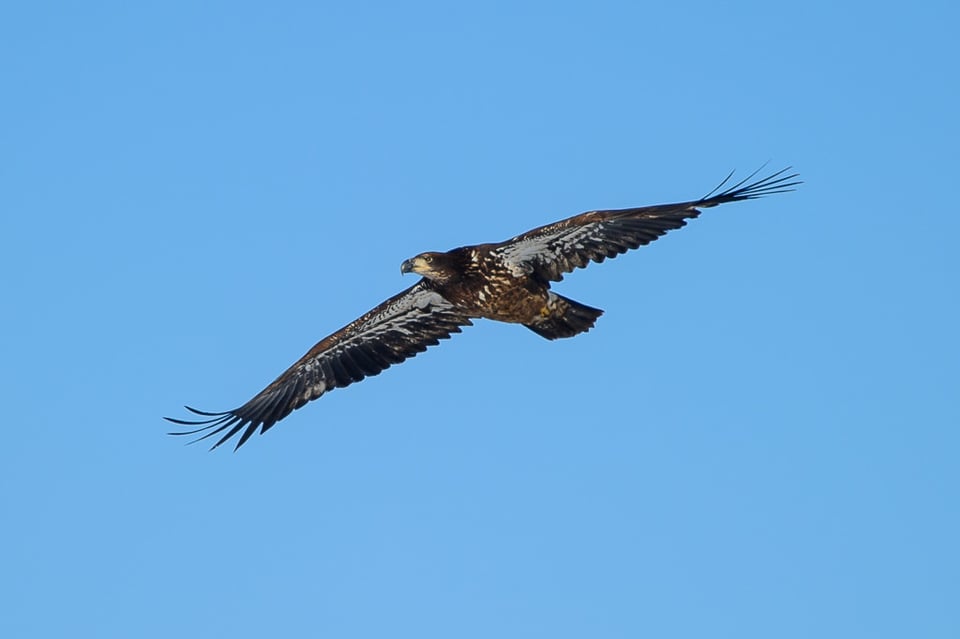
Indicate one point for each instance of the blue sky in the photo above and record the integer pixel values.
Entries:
(759, 438)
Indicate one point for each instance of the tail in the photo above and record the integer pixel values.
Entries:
(566, 319)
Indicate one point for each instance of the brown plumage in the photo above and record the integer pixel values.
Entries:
(507, 281)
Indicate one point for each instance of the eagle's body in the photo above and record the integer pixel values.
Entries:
(506, 281)
(483, 284)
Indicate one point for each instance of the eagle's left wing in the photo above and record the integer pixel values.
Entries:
(558, 248)
(401, 327)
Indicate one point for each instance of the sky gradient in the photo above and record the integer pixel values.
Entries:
(758, 439)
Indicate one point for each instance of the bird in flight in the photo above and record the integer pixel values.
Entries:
(505, 281)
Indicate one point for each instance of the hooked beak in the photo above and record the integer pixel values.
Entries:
(406, 267)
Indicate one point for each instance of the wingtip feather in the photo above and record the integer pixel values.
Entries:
(746, 189)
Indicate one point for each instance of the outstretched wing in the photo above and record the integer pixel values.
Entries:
(401, 327)
(558, 248)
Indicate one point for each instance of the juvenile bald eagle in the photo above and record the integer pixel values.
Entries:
(507, 281)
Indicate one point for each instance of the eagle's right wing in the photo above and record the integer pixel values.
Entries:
(558, 248)
(401, 327)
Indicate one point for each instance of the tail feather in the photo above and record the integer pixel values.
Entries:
(568, 318)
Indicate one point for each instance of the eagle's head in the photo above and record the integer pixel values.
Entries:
(437, 267)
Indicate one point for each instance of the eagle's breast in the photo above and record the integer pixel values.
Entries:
(489, 288)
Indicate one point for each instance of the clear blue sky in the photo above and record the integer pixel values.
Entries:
(759, 439)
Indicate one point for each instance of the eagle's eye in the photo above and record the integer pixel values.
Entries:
(428, 258)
